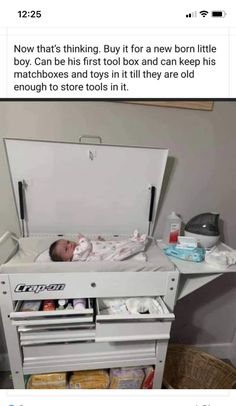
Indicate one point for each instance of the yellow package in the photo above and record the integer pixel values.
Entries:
(46, 386)
(95, 379)
(48, 381)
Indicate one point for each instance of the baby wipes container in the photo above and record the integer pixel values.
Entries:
(172, 228)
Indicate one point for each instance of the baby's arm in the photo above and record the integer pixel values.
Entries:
(83, 248)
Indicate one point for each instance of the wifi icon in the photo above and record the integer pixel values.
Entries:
(203, 13)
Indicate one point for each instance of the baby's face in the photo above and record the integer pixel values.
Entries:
(65, 249)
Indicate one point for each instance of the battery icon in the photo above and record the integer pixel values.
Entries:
(221, 14)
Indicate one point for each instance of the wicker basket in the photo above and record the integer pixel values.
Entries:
(188, 368)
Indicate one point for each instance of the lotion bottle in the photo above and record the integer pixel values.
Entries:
(172, 229)
(79, 304)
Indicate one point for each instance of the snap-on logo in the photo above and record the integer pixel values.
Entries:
(39, 288)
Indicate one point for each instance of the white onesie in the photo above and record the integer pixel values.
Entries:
(97, 250)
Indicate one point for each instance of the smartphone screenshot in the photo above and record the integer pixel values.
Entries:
(117, 209)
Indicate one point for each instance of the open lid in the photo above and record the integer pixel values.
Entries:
(92, 189)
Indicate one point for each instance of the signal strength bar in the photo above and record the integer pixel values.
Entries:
(193, 14)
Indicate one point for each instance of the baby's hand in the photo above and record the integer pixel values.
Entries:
(79, 237)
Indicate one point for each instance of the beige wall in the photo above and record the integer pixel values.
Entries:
(200, 177)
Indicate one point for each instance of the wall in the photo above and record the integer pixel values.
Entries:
(199, 177)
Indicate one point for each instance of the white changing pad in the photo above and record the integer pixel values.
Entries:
(31, 248)
(43, 257)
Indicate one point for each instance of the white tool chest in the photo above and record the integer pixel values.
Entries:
(68, 340)
(99, 189)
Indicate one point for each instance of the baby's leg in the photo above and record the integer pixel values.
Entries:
(125, 250)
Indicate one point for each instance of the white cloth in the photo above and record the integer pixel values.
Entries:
(113, 306)
(143, 305)
(132, 305)
(91, 250)
(220, 259)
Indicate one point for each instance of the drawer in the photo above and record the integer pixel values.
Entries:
(52, 318)
(128, 327)
(34, 336)
(87, 355)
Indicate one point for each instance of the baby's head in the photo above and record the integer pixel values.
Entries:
(62, 250)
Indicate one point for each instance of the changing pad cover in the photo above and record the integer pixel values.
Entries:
(31, 247)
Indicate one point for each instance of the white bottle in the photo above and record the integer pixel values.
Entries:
(62, 303)
(79, 304)
(172, 229)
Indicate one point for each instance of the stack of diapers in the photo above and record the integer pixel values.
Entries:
(115, 378)
(95, 379)
(48, 381)
(126, 378)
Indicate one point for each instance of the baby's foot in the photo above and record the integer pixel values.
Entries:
(143, 238)
(135, 236)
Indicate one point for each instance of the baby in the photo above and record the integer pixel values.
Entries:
(96, 250)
